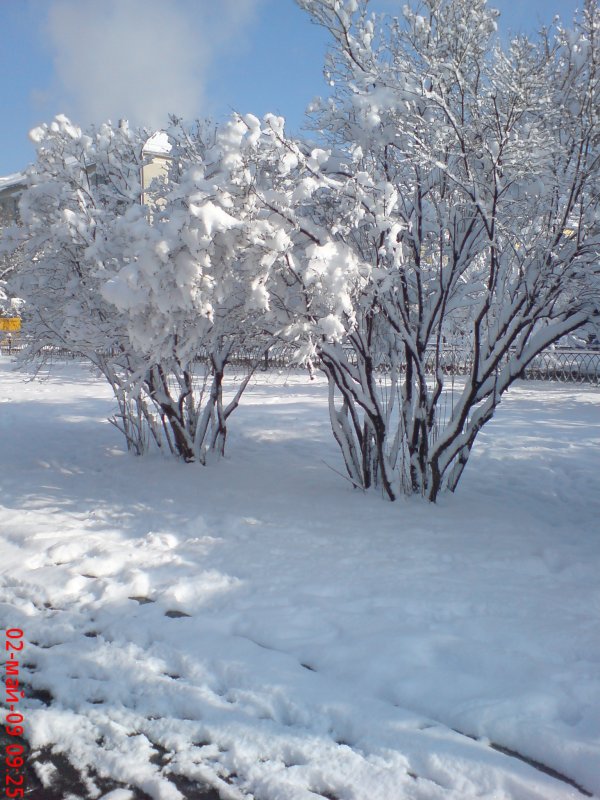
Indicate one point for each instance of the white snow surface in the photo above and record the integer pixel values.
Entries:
(158, 144)
(335, 644)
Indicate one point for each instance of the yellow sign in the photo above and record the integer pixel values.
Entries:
(10, 324)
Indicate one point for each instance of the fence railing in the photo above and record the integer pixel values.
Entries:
(14, 348)
(563, 365)
(569, 366)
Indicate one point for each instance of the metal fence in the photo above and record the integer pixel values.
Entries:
(49, 352)
(563, 365)
(569, 366)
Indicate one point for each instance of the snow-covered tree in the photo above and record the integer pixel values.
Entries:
(191, 291)
(155, 295)
(455, 210)
(76, 188)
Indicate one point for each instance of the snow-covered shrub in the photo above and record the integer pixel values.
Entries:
(77, 187)
(456, 207)
(156, 295)
(191, 291)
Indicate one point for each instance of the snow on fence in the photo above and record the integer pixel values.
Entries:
(563, 365)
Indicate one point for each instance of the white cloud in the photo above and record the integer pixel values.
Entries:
(140, 59)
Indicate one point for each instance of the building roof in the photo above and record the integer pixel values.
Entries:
(12, 181)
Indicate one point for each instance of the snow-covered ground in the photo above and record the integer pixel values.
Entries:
(261, 626)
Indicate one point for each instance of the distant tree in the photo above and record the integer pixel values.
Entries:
(10, 259)
(455, 210)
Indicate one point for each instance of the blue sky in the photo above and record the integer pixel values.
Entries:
(140, 59)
